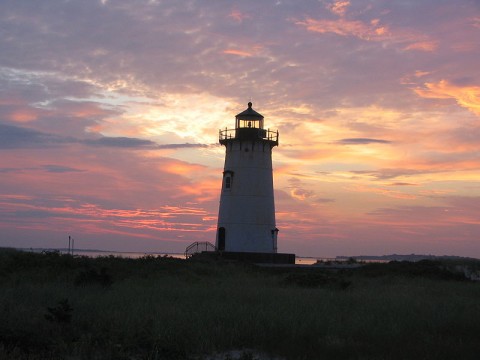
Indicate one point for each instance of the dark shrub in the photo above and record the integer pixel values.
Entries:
(92, 276)
(314, 279)
(62, 313)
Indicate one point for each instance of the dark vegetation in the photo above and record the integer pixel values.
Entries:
(56, 306)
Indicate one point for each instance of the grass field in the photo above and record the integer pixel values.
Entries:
(59, 307)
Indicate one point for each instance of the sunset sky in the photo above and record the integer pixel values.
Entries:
(110, 111)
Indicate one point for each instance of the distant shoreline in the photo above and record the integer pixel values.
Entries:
(301, 259)
(97, 252)
(410, 257)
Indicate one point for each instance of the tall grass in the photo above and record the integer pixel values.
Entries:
(162, 308)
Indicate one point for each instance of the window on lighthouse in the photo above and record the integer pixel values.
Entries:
(227, 180)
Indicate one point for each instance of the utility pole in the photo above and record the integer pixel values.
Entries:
(71, 243)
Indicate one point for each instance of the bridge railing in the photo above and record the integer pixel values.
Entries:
(198, 247)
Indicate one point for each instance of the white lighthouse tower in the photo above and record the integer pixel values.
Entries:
(246, 218)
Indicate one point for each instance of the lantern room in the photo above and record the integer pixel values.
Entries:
(249, 119)
(249, 126)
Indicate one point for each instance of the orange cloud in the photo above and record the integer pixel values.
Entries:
(87, 110)
(301, 194)
(381, 191)
(237, 52)
(203, 190)
(23, 115)
(465, 96)
(95, 218)
(372, 31)
(339, 7)
(345, 27)
(298, 190)
(238, 16)
(182, 168)
(420, 73)
(423, 46)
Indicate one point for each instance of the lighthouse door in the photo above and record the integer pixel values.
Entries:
(221, 239)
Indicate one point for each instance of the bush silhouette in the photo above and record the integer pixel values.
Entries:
(62, 313)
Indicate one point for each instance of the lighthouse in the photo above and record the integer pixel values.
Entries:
(246, 217)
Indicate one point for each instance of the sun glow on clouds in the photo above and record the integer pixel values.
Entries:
(237, 52)
(465, 96)
(186, 117)
(99, 219)
(118, 136)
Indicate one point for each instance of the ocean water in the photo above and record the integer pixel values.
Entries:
(135, 255)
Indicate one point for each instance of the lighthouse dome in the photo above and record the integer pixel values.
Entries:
(249, 114)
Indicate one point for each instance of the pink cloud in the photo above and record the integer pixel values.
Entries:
(238, 16)
(476, 22)
(94, 218)
(372, 31)
(22, 115)
(339, 7)
(298, 190)
(423, 46)
(458, 211)
(238, 52)
(344, 27)
(89, 112)
(125, 186)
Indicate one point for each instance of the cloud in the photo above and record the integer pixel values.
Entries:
(344, 27)
(383, 191)
(324, 200)
(301, 194)
(422, 46)
(372, 30)
(59, 168)
(116, 132)
(14, 137)
(182, 146)
(476, 22)
(393, 173)
(402, 184)
(97, 218)
(6, 170)
(465, 96)
(19, 114)
(361, 141)
(237, 52)
(339, 7)
(50, 168)
(121, 142)
(457, 210)
(298, 190)
(238, 16)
